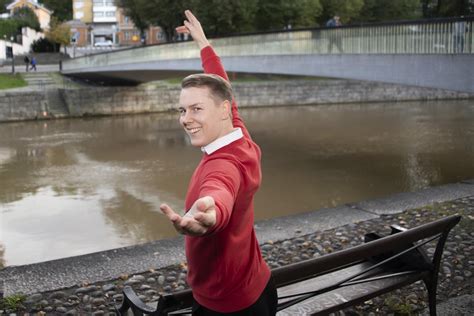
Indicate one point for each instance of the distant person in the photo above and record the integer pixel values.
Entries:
(334, 22)
(459, 32)
(334, 37)
(27, 62)
(33, 64)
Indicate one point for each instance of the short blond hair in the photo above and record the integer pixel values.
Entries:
(218, 86)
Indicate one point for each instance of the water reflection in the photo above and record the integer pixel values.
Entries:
(76, 186)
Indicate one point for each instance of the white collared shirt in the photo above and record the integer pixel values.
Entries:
(225, 140)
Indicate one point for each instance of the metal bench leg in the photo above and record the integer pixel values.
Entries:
(431, 286)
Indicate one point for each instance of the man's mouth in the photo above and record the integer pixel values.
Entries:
(193, 130)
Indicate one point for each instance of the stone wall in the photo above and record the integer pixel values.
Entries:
(15, 106)
(163, 97)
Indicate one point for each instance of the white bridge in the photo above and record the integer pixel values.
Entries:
(431, 53)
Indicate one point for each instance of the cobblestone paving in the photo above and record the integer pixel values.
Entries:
(455, 276)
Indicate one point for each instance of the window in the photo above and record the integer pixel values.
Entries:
(126, 19)
(110, 13)
(99, 2)
(109, 3)
(78, 4)
(98, 14)
(78, 15)
(127, 36)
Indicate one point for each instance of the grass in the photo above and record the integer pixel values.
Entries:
(8, 81)
(12, 303)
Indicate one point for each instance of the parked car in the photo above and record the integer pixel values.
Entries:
(107, 43)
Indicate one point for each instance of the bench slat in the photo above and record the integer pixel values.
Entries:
(343, 297)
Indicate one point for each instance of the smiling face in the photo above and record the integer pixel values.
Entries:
(204, 118)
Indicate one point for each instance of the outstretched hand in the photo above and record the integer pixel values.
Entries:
(193, 27)
(197, 221)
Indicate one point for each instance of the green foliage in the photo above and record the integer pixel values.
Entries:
(44, 45)
(282, 13)
(227, 16)
(9, 28)
(390, 10)
(62, 9)
(26, 17)
(12, 303)
(3, 5)
(59, 33)
(168, 14)
(447, 8)
(131, 8)
(398, 306)
(348, 10)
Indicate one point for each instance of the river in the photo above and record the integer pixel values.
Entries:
(71, 187)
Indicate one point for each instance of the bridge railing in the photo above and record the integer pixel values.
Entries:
(439, 36)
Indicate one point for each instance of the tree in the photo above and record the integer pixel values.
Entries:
(26, 17)
(447, 8)
(62, 9)
(280, 14)
(390, 10)
(3, 5)
(59, 33)
(168, 14)
(221, 17)
(301, 13)
(131, 8)
(348, 10)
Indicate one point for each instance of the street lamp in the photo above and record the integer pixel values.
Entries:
(13, 56)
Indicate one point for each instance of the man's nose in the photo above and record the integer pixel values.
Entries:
(186, 117)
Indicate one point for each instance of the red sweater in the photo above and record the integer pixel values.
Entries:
(226, 270)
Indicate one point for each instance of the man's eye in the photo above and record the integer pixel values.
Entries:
(197, 109)
(181, 111)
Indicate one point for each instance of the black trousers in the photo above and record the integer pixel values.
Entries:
(266, 305)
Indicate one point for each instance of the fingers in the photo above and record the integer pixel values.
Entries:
(191, 227)
(168, 211)
(206, 214)
(182, 30)
(190, 16)
(205, 203)
(206, 219)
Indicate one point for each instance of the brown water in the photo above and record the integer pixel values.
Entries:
(71, 187)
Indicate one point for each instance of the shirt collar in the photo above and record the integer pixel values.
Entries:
(225, 140)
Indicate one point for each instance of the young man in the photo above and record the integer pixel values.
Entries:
(226, 271)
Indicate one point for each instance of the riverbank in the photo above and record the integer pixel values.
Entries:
(67, 100)
(92, 284)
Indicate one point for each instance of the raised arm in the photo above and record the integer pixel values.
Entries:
(210, 61)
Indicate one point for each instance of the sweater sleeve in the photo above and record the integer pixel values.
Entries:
(221, 181)
(212, 64)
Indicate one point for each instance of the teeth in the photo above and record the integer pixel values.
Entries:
(193, 130)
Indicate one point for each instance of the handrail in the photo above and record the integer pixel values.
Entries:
(436, 36)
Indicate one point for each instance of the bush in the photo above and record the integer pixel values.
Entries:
(44, 45)
(9, 28)
(26, 17)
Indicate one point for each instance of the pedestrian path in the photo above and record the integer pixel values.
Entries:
(22, 69)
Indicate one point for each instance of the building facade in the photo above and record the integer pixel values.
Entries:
(41, 12)
(106, 22)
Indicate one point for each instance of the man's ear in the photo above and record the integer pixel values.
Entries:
(226, 106)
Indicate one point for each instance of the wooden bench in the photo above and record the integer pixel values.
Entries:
(341, 279)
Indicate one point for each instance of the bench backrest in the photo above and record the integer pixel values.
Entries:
(313, 267)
